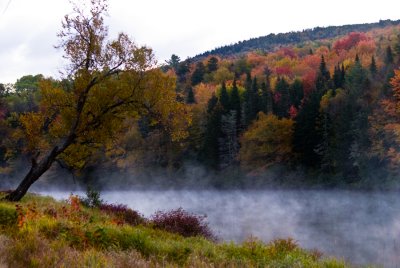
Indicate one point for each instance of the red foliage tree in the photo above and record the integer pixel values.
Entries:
(349, 41)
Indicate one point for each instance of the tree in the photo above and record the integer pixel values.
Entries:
(112, 81)
(306, 136)
(224, 98)
(198, 74)
(339, 76)
(389, 55)
(268, 140)
(252, 100)
(282, 98)
(296, 93)
(210, 149)
(190, 99)
(174, 62)
(323, 76)
(372, 67)
(235, 104)
(28, 82)
(212, 64)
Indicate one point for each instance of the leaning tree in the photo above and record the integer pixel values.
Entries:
(111, 81)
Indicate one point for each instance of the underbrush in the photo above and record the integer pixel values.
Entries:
(40, 232)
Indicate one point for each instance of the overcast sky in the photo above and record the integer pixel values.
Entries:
(28, 28)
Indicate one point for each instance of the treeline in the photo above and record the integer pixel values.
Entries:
(318, 108)
(329, 111)
(271, 41)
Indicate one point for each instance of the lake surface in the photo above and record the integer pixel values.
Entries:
(361, 227)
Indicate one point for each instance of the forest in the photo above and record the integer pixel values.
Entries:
(318, 108)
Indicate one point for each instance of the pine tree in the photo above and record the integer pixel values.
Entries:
(296, 93)
(190, 99)
(235, 104)
(372, 67)
(306, 136)
(323, 77)
(251, 107)
(224, 98)
(282, 103)
(198, 74)
(210, 149)
(337, 77)
(389, 56)
(212, 65)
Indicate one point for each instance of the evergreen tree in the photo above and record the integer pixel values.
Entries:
(235, 104)
(296, 93)
(326, 149)
(355, 79)
(323, 77)
(282, 101)
(306, 136)
(198, 74)
(389, 56)
(174, 62)
(190, 99)
(343, 73)
(212, 65)
(372, 67)
(338, 80)
(224, 98)
(357, 59)
(228, 142)
(248, 82)
(210, 150)
(182, 70)
(251, 105)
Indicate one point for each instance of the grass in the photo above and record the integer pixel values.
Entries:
(42, 232)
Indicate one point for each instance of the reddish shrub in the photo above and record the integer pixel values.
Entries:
(182, 222)
(122, 212)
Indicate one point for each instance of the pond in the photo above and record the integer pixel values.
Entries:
(362, 227)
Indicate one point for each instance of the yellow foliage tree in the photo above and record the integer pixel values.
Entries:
(111, 81)
(268, 140)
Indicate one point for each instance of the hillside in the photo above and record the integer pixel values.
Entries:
(271, 41)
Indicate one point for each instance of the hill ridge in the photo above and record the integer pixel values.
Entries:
(268, 42)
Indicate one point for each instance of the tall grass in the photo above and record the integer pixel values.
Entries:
(40, 232)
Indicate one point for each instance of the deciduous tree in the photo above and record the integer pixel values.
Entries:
(112, 80)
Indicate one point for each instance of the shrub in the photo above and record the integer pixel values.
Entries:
(92, 198)
(8, 216)
(123, 213)
(182, 222)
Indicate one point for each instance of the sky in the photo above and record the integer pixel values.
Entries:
(28, 29)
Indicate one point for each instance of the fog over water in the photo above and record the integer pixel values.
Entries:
(362, 227)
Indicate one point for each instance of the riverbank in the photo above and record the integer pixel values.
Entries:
(42, 232)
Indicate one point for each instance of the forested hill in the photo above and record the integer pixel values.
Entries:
(269, 42)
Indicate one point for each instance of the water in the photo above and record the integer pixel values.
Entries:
(361, 227)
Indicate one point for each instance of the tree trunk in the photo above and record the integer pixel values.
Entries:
(36, 171)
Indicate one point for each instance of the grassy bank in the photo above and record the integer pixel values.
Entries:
(42, 232)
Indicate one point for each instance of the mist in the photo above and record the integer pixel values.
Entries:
(361, 227)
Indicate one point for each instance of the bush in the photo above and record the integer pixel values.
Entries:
(123, 213)
(8, 215)
(92, 198)
(182, 222)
